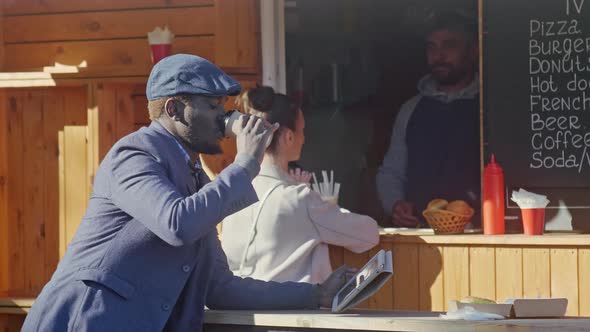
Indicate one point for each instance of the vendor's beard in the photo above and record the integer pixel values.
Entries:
(453, 76)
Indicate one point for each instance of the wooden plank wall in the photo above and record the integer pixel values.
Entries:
(11, 323)
(33, 118)
(116, 114)
(110, 35)
(427, 276)
(238, 30)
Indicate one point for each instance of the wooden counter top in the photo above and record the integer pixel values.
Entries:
(365, 320)
(15, 305)
(427, 236)
(380, 320)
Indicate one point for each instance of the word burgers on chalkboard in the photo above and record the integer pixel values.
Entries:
(536, 83)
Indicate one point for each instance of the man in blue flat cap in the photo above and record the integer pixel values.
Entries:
(146, 256)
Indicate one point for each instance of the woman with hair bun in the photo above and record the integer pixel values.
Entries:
(285, 236)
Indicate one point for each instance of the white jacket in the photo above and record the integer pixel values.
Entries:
(294, 228)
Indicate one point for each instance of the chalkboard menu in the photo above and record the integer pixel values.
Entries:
(536, 87)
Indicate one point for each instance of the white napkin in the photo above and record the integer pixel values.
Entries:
(529, 200)
(160, 36)
(469, 313)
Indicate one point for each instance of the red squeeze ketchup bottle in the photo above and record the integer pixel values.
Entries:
(493, 199)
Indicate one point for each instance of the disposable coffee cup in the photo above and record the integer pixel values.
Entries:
(160, 40)
(331, 199)
(228, 124)
(532, 207)
(533, 221)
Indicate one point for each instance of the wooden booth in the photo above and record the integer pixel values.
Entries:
(535, 99)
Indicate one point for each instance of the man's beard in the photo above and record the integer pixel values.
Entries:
(206, 148)
(451, 77)
(205, 145)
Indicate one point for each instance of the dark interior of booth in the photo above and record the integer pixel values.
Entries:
(352, 64)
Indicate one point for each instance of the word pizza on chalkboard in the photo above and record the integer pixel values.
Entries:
(536, 83)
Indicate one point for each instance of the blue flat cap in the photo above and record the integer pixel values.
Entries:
(189, 74)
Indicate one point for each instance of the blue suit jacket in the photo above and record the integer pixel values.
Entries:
(146, 256)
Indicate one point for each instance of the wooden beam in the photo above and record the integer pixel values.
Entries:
(108, 25)
(128, 56)
(583, 280)
(124, 109)
(83, 80)
(4, 259)
(519, 240)
(107, 119)
(16, 195)
(93, 133)
(62, 194)
(33, 213)
(75, 171)
(21, 7)
(23, 303)
(1, 40)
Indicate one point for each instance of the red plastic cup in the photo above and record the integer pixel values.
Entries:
(533, 221)
(160, 51)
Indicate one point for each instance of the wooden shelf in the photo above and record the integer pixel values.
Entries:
(548, 239)
(17, 306)
(51, 76)
(71, 75)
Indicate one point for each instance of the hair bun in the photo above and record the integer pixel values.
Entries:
(261, 98)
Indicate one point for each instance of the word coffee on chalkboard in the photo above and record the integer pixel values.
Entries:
(537, 90)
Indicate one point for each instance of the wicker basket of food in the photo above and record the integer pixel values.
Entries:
(448, 218)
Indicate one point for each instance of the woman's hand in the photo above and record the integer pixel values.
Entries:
(300, 176)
